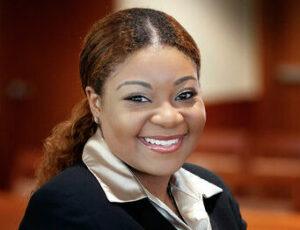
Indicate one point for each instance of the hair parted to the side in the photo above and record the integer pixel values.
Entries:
(110, 41)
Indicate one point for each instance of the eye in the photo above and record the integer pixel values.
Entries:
(137, 99)
(186, 95)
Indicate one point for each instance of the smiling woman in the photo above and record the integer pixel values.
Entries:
(122, 153)
(158, 87)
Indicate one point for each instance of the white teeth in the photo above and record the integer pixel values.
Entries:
(161, 142)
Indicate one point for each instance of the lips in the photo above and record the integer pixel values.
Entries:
(162, 144)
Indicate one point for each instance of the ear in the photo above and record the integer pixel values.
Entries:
(94, 102)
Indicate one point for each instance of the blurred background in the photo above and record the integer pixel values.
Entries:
(250, 77)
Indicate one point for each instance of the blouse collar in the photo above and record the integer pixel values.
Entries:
(187, 189)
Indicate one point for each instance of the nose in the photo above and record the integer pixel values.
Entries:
(167, 116)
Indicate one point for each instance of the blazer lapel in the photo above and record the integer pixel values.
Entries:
(220, 213)
(146, 215)
(210, 204)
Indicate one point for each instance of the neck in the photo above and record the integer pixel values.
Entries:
(156, 185)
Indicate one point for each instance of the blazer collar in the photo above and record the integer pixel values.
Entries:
(187, 188)
(112, 174)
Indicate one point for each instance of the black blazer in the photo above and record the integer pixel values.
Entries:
(75, 200)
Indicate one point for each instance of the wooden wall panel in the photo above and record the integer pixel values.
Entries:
(230, 115)
(279, 109)
(40, 45)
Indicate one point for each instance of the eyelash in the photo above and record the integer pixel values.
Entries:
(137, 99)
(192, 94)
(142, 99)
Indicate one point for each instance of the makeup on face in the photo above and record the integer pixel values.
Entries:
(138, 90)
(163, 144)
(147, 85)
(153, 112)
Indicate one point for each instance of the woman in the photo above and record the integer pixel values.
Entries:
(118, 163)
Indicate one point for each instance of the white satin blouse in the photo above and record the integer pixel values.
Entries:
(120, 185)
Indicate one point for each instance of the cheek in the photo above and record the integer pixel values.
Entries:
(122, 125)
(197, 119)
(118, 135)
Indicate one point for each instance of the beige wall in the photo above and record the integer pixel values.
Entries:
(226, 34)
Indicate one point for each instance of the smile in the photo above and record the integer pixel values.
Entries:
(163, 144)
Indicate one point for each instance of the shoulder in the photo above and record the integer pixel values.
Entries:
(75, 187)
(71, 200)
(73, 181)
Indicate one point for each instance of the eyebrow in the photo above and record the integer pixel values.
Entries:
(142, 83)
(147, 85)
(183, 79)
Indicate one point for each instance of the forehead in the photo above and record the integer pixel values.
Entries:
(154, 64)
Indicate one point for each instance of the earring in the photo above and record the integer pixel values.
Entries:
(96, 120)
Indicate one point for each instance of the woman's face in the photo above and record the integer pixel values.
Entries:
(152, 112)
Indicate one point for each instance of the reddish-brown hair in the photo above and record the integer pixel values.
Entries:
(110, 41)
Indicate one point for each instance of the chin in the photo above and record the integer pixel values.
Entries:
(163, 170)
